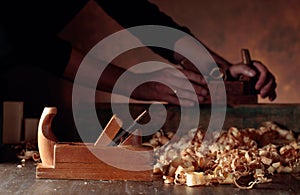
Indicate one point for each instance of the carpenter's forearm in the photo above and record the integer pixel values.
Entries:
(106, 81)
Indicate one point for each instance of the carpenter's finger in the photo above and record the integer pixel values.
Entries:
(263, 75)
(184, 83)
(272, 96)
(268, 88)
(241, 69)
(183, 102)
(192, 76)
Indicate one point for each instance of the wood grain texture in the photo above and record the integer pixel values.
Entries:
(88, 153)
(84, 161)
(99, 172)
(23, 181)
(97, 161)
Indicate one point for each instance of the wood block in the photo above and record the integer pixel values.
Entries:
(234, 87)
(245, 99)
(80, 161)
(236, 100)
(237, 93)
(86, 153)
(12, 122)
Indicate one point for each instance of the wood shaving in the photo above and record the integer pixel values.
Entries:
(27, 151)
(243, 157)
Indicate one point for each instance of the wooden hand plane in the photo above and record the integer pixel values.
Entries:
(240, 91)
(77, 160)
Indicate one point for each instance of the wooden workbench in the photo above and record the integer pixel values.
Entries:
(15, 180)
(23, 181)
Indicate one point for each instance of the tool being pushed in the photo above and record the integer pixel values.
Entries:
(78, 160)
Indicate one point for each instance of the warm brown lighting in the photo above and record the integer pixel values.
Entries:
(269, 29)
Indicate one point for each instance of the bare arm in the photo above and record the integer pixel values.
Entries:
(152, 91)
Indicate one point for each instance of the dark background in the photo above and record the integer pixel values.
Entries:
(269, 29)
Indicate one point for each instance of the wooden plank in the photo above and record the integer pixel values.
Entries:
(84, 161)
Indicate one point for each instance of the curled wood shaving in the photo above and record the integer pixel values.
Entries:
(237, 153)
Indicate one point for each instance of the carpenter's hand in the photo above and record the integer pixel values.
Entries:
(175, 87)
(265, 84)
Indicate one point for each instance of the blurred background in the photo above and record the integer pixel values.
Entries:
(269, 29)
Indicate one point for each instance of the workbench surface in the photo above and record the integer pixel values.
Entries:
(15, 180)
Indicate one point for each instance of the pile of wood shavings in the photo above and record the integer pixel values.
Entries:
(242, 157)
